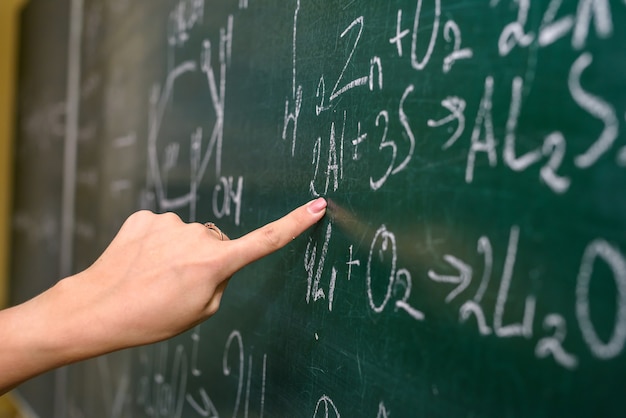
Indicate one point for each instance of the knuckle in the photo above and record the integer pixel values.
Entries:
(146, 218)
(197, 230)
(170, 217)
(140, 215)
(138, 219)
(271, 237)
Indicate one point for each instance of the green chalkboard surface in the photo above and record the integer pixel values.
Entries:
(473, 259)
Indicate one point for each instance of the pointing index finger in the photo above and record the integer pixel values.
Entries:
(275, 235)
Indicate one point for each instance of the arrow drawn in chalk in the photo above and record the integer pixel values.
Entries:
(463, 278)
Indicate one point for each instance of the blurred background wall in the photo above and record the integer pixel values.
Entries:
(9, 13)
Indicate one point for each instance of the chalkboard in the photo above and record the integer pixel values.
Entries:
(473, 259)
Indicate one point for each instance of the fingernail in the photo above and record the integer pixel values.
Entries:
(317, 206)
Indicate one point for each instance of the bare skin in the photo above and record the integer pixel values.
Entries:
(159, 277)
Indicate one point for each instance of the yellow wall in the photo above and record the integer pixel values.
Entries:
(8, 63)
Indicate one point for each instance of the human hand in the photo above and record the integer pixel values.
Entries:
(159, 277)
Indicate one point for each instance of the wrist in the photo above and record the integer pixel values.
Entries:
(36, 337)
(79, 329)
(56, 328)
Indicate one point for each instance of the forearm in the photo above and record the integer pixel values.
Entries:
(46, 332)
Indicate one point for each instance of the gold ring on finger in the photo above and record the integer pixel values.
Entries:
(213, 227)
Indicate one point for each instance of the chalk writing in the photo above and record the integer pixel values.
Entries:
(489, 141)
(325, 408)
(227, 192)
(471, 158)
